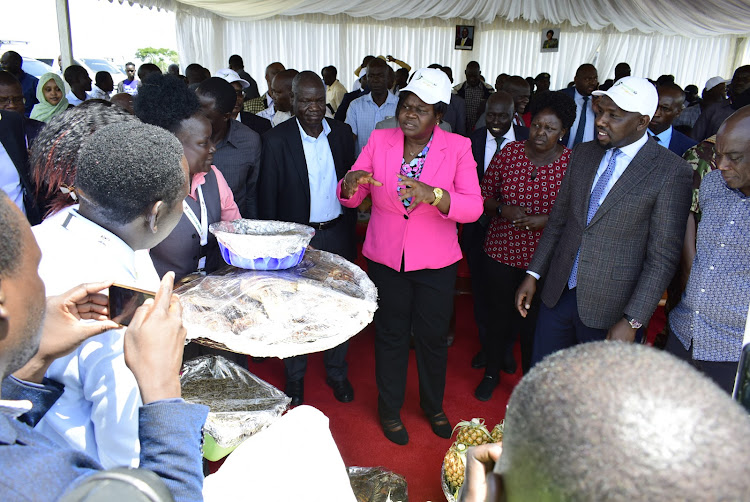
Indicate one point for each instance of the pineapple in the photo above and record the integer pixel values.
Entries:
(472, 433)
(454, 465)
(497, 432)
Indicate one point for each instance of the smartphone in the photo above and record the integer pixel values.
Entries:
(124, 301)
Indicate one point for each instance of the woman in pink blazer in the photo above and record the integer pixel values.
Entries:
(423, 181)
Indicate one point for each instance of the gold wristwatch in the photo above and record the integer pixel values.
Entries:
(438, 196)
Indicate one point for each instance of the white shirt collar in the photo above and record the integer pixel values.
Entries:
(633, 148)
(307, 137)
(88, 231)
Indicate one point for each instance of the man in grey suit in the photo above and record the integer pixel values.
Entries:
(614, 237)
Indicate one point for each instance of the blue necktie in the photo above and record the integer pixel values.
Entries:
(581, 123)
(596, 194)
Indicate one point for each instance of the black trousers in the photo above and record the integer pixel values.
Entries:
(338, 239)
(500, 283)
(421, 302)
(472, 244)
(723, 373)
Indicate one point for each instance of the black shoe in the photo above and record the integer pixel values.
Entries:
(486, 387)
(440, 425)
(509, 363)
(296, 390)
(394, 430)
(342, 389)
(479, 360)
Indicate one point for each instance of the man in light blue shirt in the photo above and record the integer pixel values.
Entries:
(368, 110)
(302, 161)
(586, 81)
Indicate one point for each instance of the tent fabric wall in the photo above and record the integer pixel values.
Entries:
(312, 41)
(673, 17)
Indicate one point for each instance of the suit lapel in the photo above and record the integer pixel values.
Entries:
(639, 167)
(297, 152)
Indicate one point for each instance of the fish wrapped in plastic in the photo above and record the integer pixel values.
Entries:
(241, 403)
(314, 306)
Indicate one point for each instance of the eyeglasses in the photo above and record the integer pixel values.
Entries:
(6, 100)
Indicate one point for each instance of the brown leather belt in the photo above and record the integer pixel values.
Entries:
(326, 224)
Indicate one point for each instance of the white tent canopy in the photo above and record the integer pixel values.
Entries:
(672, 17)
(691, 40)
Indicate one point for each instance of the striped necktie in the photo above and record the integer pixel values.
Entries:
(596, 195)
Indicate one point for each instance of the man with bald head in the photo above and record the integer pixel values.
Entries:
(622, 70)
(486, 142)
(671, 103)
(708, 324)
(12, 62)
(281, 89)
(615, 422)
(585, 82)
(265, 101)
(301, 163)
(519, 89)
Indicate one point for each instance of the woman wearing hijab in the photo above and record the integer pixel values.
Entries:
(51, 95)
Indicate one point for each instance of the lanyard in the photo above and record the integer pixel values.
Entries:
(201, 226)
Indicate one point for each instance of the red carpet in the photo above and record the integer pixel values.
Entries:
(355, 425)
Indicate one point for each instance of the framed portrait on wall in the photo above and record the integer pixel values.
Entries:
(550, 40)
(464, 38)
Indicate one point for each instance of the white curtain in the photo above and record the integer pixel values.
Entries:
(313, 41)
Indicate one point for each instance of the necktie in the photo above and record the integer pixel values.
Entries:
(656, 138)
(581, 123)
(499, 144)
(596, 194)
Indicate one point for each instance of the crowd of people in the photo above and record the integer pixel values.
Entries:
(575, 209)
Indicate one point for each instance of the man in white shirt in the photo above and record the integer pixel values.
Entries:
(302, 161)
(103, 87)
(586, 81)
(281, 89)
(80, 83)
(131, 181)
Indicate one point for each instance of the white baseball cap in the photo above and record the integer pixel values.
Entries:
(633, 94)
(714, 81)
(232, 76)
(430, 85)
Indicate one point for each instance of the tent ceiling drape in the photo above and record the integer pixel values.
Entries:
(672, 17)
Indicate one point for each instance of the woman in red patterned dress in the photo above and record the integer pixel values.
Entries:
(519, 190)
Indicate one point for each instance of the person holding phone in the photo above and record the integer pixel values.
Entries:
(32, 337)
(130, 180)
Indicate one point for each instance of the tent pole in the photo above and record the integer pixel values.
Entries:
(63, 30)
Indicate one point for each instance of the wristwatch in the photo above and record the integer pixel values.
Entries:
(438, 192)
(633, 322)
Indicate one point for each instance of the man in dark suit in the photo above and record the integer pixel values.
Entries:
(586, 81)
(671, 103)
(614, 236)
(11, 98)
(303, 158)
(14, 165)
(485, 143)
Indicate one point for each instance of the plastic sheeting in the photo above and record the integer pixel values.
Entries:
(241, 404)
(314, 306)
